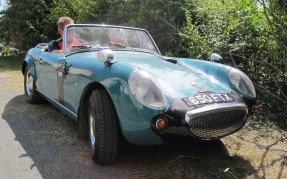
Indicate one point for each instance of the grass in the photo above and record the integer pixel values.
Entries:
(10, 70)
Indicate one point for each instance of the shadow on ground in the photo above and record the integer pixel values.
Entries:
(50, 139)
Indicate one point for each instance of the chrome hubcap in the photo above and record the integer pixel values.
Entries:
(92, 135)
(29, 83)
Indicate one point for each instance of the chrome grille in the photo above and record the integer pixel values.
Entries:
(217, 123)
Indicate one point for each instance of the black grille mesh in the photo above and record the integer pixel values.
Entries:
(217, 123)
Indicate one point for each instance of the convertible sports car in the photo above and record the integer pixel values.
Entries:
(117, 84)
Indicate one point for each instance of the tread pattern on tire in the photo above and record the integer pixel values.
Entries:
(106, 127)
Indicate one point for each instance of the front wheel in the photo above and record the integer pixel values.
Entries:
(103, 124)
(31, 95)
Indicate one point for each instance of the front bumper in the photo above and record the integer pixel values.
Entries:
(207, 122)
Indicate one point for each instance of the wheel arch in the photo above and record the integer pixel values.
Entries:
(83, 107)
(86, 94)
(28, 61)
(24, 64)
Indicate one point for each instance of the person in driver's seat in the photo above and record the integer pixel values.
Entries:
(117, 38)
(56, 46)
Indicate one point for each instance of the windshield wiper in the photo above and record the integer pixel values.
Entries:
(145, 50)
(81, 46)
(120, 45)
(169, 59)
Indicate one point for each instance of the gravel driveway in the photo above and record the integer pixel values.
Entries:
(39, 141)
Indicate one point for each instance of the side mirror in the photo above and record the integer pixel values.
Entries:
(214, 57)
(106, 55)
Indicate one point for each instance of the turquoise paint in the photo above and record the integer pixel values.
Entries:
(30, 63)
(217, 70)
(31, 55)
(214, 70)
(47, 74)
(134, 117)
(175, 81)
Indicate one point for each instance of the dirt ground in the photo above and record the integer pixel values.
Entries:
(49, 140)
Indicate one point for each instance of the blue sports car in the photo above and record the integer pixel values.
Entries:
(116, 83)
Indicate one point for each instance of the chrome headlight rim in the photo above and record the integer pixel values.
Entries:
(148, 77)
(236, 72)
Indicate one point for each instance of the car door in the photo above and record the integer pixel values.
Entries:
(47, 74)
(72, 80)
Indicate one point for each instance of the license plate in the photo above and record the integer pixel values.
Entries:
(207, 98)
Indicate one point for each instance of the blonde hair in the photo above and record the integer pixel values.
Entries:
(118, 34)
(64, 20)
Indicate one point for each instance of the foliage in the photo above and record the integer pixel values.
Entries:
(82, 11)
(161, 18)
(8, 51)
(25, 26)
(250, 37)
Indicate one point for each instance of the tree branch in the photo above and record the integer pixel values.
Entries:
(264, 90)
(274, 36)
(277, 85)
(169, 24)
(230, 54)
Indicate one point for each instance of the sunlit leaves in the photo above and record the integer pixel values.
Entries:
(239, 31)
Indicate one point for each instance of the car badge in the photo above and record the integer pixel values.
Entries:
(200, 90)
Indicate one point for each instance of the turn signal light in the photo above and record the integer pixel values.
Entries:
(160, 124)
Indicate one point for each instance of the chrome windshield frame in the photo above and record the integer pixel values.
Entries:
(105, 25)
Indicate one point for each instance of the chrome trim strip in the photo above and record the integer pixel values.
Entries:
(213, 107)
(56, 102)
(64, 42)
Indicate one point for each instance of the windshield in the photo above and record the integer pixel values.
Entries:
(79, 38)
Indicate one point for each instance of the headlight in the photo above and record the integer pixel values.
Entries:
(242, 83)
(144, 87)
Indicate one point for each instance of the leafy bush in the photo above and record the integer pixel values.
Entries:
(162, 18)
(242, 31)
(26, 26)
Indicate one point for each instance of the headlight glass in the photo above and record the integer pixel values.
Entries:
(144, 87)
(242, 82)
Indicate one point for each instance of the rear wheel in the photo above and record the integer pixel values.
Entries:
(31, 95)
(103, 124)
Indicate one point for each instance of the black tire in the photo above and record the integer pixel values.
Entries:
(31, 95)
(103, 124)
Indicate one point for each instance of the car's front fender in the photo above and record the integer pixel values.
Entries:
(85, 73)
(134, 117)
(215, 70)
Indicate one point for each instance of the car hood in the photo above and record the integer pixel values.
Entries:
(176, 81)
